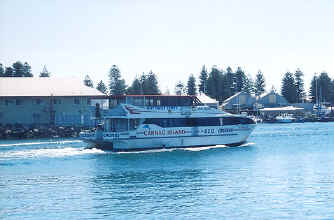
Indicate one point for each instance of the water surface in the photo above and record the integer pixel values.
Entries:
(285, 171)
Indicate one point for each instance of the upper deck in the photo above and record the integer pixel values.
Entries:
(154, 101)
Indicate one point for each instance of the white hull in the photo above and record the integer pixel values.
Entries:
(233, 135)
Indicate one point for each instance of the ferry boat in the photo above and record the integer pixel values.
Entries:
(127, 127)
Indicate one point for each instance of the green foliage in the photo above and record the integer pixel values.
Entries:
(240, 79)
(248, 85)
(299, 81)
(288, 89)
(322, 88)
(135, 88)
(9, 72)
(88, 82)
(203, 78)
(191, 85)
(102, 87)
(179, 88)
(45, 72)
(146, 84)
(260, 85)
(2, 71)
(18, 69)
(116, 83)
(215, 84)
(27, 70)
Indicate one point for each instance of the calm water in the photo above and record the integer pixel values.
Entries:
(284, 172)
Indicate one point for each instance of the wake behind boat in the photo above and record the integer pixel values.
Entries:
(128, 127)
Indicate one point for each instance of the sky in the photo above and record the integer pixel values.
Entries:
(173, 38)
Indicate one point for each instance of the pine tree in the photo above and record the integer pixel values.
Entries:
(240, 79)
(179, 88)
(116, 83)
(299, 85)
(313, 89)
(102, 87)
(135, 88)
(18, 69)
(2, 71)
(215, 85)
(151, 85)
(248, 86)
(288, 89)
(45, 72)
(230, 86)
(260, 85)
(88, 82)
(203, 78)
(9, 72)
(191, 85)
(324, 87)
(27, 70)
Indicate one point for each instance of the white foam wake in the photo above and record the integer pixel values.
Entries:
(55, 152)
(39, 143)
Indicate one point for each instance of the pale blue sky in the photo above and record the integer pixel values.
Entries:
(172, 38)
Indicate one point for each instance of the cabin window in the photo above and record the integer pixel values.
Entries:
(133, 123)
(158, 102)
(119, 125)
(76, 101)
(89, 102)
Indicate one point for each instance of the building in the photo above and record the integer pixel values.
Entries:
(238, 102)
(38, 101)
(206, 100)
(272, 99)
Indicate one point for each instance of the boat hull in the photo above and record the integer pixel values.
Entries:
(235, 138)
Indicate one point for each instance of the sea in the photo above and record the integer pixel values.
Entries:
(284, 171)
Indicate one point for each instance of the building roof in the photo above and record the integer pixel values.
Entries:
(206, 99)
(287, 108)
(44, 86)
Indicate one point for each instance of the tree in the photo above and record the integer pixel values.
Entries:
(299, 85)
(179, 88)
(27, 70)
(45, 72)
(9, 72)
(288, 89)
(151, 86)
(248, 85)
(240, 79)
(18, 69)
(191, 85)
(88, 82)
(215, 87)
(102, 87)
(314, 90)
(230, 85)
(2, 71)
(116, 83)
(203, 78)
(260, 85)
(135, 88)
(325, 88)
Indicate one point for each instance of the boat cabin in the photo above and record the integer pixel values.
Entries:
(154, 101)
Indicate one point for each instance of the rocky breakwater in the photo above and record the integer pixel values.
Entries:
(18, 131)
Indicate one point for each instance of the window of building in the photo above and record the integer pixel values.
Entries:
(9, 101)
(18, 101)
(38, 101)
(56, 101)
